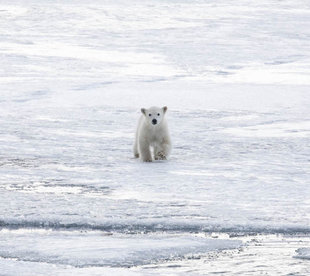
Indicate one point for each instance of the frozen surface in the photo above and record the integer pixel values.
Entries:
(85, 249)
(73, 77)
(303, 253)
(262, 255)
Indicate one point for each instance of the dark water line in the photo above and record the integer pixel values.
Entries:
(128, 228)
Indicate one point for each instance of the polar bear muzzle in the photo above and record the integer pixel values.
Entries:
(154, 121)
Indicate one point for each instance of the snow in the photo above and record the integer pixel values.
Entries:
(74, 75)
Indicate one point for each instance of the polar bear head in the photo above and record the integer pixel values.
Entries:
(154, 115)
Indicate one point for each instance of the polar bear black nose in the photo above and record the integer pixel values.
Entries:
(154, 121)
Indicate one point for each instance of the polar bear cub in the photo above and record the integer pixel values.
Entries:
(152, 132)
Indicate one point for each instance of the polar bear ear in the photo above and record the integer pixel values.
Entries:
(165, 108)
(143, 110)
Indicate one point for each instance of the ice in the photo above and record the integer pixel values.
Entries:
(274, 129)
(84, 249)
(303, 253)
(73, 77)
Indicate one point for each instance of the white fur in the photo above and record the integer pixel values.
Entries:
(153, 136)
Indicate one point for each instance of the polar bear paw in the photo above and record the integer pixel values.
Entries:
(160, 156)
(147, 160)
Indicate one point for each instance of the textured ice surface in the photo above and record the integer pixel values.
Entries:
(73, 77)
(233, 170)
(303, 253)
(84, 249)
(262, 255)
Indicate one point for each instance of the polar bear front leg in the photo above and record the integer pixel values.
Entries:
(145, 152)
(162, 151)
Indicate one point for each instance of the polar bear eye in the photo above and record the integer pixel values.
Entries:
(150, 115)
(158, 114)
